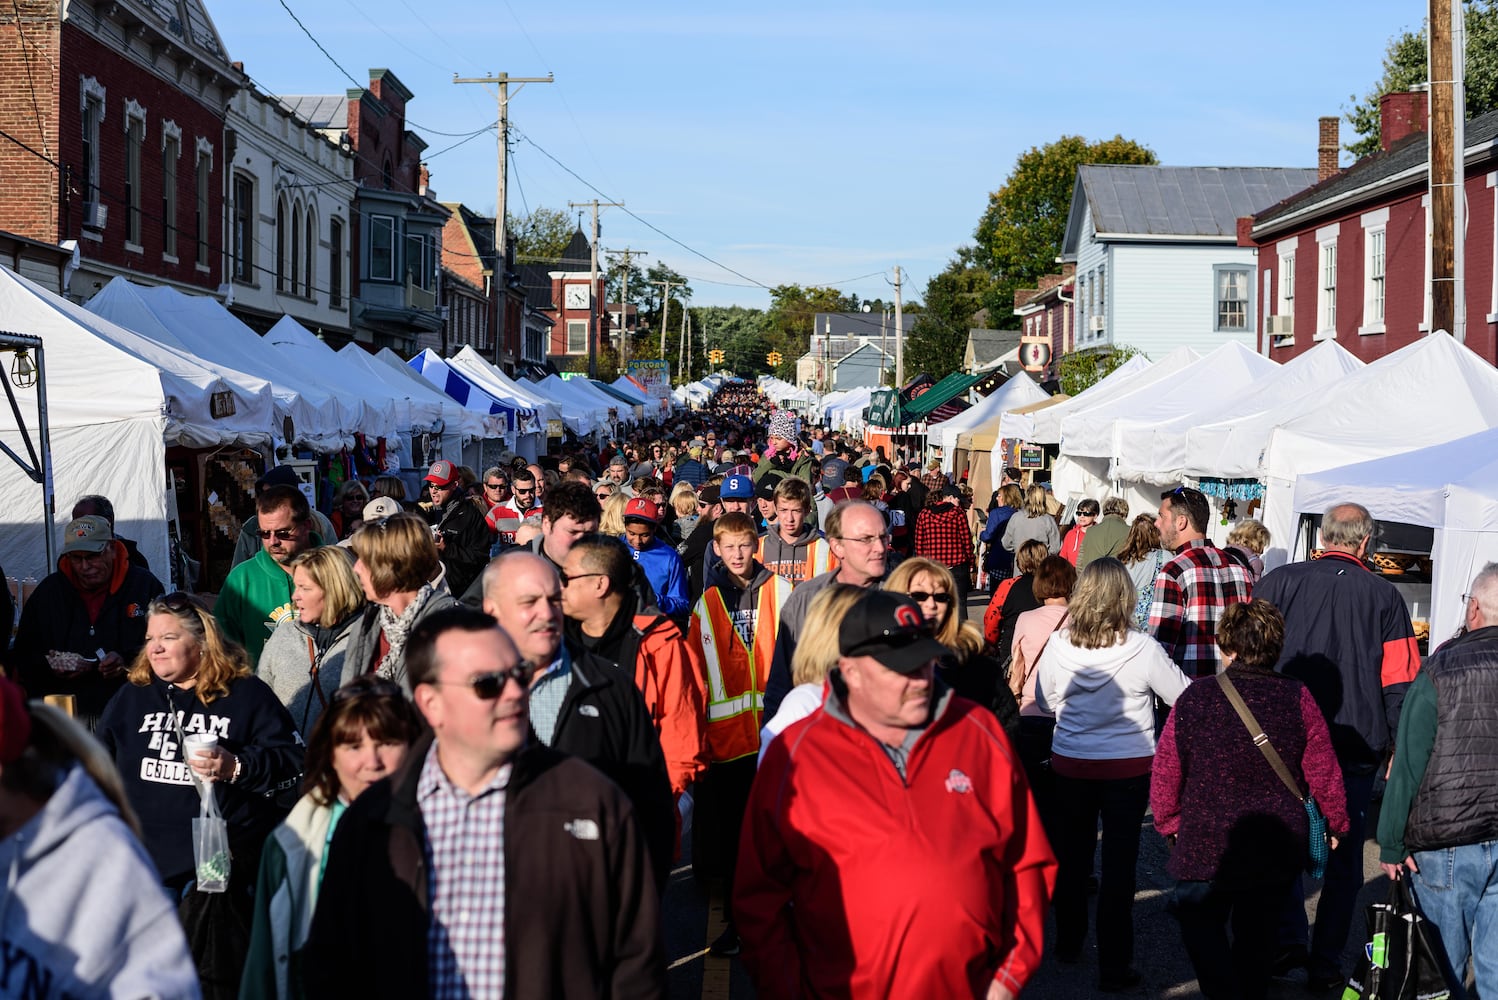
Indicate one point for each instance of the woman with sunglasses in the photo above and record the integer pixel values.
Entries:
(304, 659)
(348, 508)
(194, 721)
(361, 739)
(968, 671)
(398, 569)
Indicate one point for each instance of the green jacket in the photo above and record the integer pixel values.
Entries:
(805, 467)
(1416, 739)
(254, 600)
(1105, 538)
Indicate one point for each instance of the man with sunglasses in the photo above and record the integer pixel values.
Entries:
(582, 704)
(490, 858)
(461, 534)
(503, 517)
(256, 596)
(248, 544)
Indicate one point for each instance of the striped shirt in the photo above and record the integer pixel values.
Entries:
(465, 855)
(547, 694)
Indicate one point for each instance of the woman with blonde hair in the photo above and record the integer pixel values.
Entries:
(688, 512)
(398, 569)
(1248, 540)
(303, 660)
(1032, 522)
(816, 654)
(1099, 677)
(84, 908)
(968, 671)
(611, 522)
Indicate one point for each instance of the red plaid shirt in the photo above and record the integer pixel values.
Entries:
(1190, 594)
(942, 535)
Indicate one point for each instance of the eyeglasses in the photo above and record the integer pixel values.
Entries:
(487, 687)
(177, 603)
(495, 486)
(569, 577)
(284, 534)
(525, 489)
(866, 539)
(434, 487)
(921, 597)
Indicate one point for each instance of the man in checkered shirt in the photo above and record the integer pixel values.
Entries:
(492, 865)
(1193, 589)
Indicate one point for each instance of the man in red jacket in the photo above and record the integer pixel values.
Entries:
(891, 847)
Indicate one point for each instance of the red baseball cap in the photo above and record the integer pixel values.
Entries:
(640, 509)
(442, 473)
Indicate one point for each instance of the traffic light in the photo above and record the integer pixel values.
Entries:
(774, 358)
(716, 356)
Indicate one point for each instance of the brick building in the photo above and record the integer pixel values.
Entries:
(115, 110)
(558, 292)
(1048, 312)
(1347, 259)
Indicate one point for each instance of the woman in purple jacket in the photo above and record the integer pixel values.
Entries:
(1239, 837)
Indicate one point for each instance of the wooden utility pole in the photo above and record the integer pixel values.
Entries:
(626, 253)
(899, 334)
(498, 285)
(666, 287)
(595, 205)
(1446, 107)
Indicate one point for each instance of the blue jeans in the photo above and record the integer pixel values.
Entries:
(1456, 889)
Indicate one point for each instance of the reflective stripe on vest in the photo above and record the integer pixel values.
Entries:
(730, 696)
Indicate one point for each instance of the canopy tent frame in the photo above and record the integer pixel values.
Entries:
(39, 469)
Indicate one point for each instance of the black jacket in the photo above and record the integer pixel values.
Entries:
(605, 722)
(55, 619)
(695, 554)
(581, 917)
(466, 540)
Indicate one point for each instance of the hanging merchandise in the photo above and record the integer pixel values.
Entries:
(1232, 489)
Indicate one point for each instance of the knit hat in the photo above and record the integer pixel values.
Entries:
(783, 425)
(15, 722)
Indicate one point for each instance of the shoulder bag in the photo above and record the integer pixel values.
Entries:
(1320, 847)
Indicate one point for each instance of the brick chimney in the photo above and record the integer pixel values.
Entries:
(424, 179)
(1399, 115)
(1327, 148)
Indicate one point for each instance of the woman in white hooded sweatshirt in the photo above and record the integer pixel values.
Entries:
(1099, 677)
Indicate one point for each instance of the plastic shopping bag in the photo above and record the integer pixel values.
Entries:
(210, 845)
(1401, 960)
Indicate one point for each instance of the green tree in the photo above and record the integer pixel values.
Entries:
(738, 331)
(543, 234)
(789, 321)
(613, 283)
(1405, 66)
(938, 339)
(1082, 370)
(1019, 235)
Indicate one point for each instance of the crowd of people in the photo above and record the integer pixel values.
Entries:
(454, 745)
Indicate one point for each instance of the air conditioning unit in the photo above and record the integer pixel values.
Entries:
(1097, 324)
(95, 214)
(1281, 326)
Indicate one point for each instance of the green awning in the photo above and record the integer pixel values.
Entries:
(947, 389)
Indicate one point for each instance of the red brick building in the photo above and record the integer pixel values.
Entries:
(1347, 259)
(1049, 312)
(115, 113)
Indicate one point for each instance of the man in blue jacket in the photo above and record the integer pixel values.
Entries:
(662, 566)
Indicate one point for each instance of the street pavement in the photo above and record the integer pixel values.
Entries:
(693, 919)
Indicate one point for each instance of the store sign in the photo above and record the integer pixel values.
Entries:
(554, 429)
(1031, 456)
(221, 405)
(654, 376)
(884, 408)
(1034, 353)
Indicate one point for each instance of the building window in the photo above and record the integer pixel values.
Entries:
(1326, 292)
(135, 138)
(280, 246)
(1286, 305)
(1233, 284)
(382, 247)
(335, 262)
(309, 257)
(205, 183)
(244, 230)
(1375, 302)
(421, 260)
(171, 149)
(93, 114)
(294, 272)
(577, 336)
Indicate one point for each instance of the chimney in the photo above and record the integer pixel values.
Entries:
(424, 179)
(1400, 114)
(1327, 148)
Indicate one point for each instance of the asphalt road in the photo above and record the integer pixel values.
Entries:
(693, 920)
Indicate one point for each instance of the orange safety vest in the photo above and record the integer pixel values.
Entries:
(819, 560)
(735, 674)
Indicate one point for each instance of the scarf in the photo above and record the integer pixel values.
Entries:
(396, 628)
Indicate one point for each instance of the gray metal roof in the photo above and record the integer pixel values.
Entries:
(1180, 201)
(321, 111)
(990, 344)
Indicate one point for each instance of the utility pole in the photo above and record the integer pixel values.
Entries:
(499, 286)
(626, 253)
(595, 205)
(666, 287)
(899, 334)
(1447, 109)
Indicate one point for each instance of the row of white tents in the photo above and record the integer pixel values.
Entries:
(138, 370)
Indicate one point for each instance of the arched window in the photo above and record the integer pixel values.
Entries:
(388, 174)
(280, 246)
(309, 256)
(296, 247)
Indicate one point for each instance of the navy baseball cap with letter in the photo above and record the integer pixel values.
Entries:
(890, 628)
(737, 488)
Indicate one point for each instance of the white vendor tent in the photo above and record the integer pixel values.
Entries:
(208, 331)
(305, 353)
(1451, 487)
(1044, 425)
(116, 401)
(634, 391)
(580, 411)
(532, 407)
(1428, 393)
(1020, 390)
(419, 405)
(462, 388)
(1188, 446)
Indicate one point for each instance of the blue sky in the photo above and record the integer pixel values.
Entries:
(819, 143)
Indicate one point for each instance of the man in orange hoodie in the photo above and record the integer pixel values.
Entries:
(604, 617)
(84, 624)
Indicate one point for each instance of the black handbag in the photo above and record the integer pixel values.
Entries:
(1401, 958)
